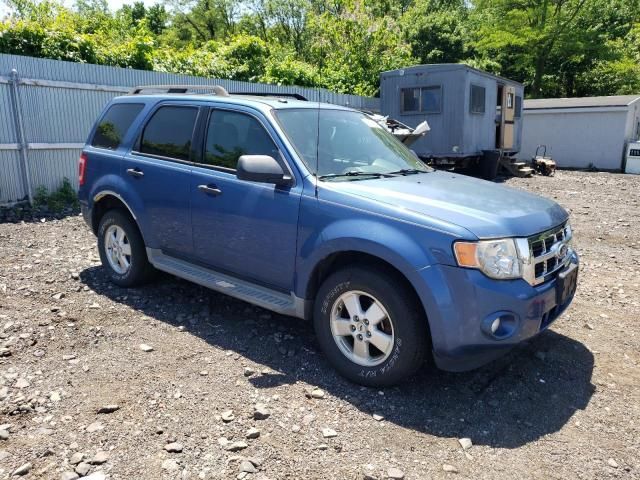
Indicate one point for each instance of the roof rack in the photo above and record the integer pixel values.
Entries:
(215, 89)
(297, 96)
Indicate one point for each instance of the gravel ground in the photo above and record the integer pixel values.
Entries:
(174, 381)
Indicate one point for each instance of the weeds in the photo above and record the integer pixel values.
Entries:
(64, 197)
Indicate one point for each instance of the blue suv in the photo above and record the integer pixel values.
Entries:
(318, 212)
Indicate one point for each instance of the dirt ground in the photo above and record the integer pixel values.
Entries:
(170, 360)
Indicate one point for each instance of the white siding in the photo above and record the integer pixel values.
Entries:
(577, 139)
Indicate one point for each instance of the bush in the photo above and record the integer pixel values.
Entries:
(64, 197)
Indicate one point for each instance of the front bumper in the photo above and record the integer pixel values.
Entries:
(460, 303)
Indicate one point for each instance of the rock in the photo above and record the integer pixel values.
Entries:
(21, 383)
(252, 433)
(395, 473)
(94, 427)
(236, 446)
(295, 428)
(174, 447)
(99, 458)
(4, 434)
(5, 352)
(109, 408)
(83, 468)
(170, 465)
(329, 433)
(449, 468)
(612, 463)
(465, 443)
(588, 326)
(23, 469)
(323, 446)
(76, 458)
(96, 476)
(378, 418)
(146, 348)
(248, 371)
(55, 396)
(204, 373)
(308, 419)
(227, 416)
(58, 296)
(247, 466)
(260, 412)
(69, 476)
(317, 393)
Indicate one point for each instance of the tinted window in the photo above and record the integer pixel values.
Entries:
(410, 99)
(169, 132)
(431, 99)
(114, 125)
(232, 134)
(477, 99)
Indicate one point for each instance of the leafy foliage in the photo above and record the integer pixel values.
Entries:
(555, 47)
(64, 197)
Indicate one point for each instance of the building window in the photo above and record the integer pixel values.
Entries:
(518, 112)
(477, 99)
(421, 99)
(509, 100)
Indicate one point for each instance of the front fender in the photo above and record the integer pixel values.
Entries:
(386, 242)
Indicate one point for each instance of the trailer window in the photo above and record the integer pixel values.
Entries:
(518, 112)
(410, 98)
(477, 103)
(431, 99)
(421, 99)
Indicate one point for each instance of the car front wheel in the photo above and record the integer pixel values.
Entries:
(371, 328)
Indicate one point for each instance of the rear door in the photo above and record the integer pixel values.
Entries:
(157, 170)
(244, 228)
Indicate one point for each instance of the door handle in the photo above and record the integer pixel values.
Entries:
(210, 190)
(135, 172)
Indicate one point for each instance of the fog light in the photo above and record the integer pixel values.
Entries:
(500, 325)
(495, 325)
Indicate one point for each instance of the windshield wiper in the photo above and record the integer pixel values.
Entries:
(408, 171)
(354, 174)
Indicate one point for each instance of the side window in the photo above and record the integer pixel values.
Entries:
(477, 99)
(232, 134)
(168, 133)
(518, 112)
(410, 100)
(114, 125)
(509, 100)
(432, 99)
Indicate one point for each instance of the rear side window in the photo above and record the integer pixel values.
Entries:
(168, 133)
(114, 125)
(232, 134)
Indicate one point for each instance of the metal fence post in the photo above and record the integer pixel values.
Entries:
(23, 146)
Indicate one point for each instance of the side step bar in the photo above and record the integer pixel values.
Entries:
(241, 289)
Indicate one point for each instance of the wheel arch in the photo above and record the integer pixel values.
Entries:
(106, 200)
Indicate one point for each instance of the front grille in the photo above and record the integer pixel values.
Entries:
(550, 252)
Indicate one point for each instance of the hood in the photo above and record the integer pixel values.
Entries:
(486, 209)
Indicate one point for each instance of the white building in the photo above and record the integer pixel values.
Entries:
(582, 132)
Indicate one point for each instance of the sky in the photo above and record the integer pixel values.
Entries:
(113, 4)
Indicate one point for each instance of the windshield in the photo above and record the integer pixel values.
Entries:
(351, 145)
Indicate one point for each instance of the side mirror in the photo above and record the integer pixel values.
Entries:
(261, 168)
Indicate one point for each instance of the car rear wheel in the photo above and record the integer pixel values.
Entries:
(370, 326)
(122, 250)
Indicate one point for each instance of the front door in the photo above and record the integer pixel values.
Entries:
(243, 228)
(508, 117)
(158, 172)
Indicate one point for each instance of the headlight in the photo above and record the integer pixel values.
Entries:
(495, 258)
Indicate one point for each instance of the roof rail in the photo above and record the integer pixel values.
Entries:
(214, 89)
(297, 96)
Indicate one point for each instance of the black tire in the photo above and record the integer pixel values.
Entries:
(411, 340)
(140, 270)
